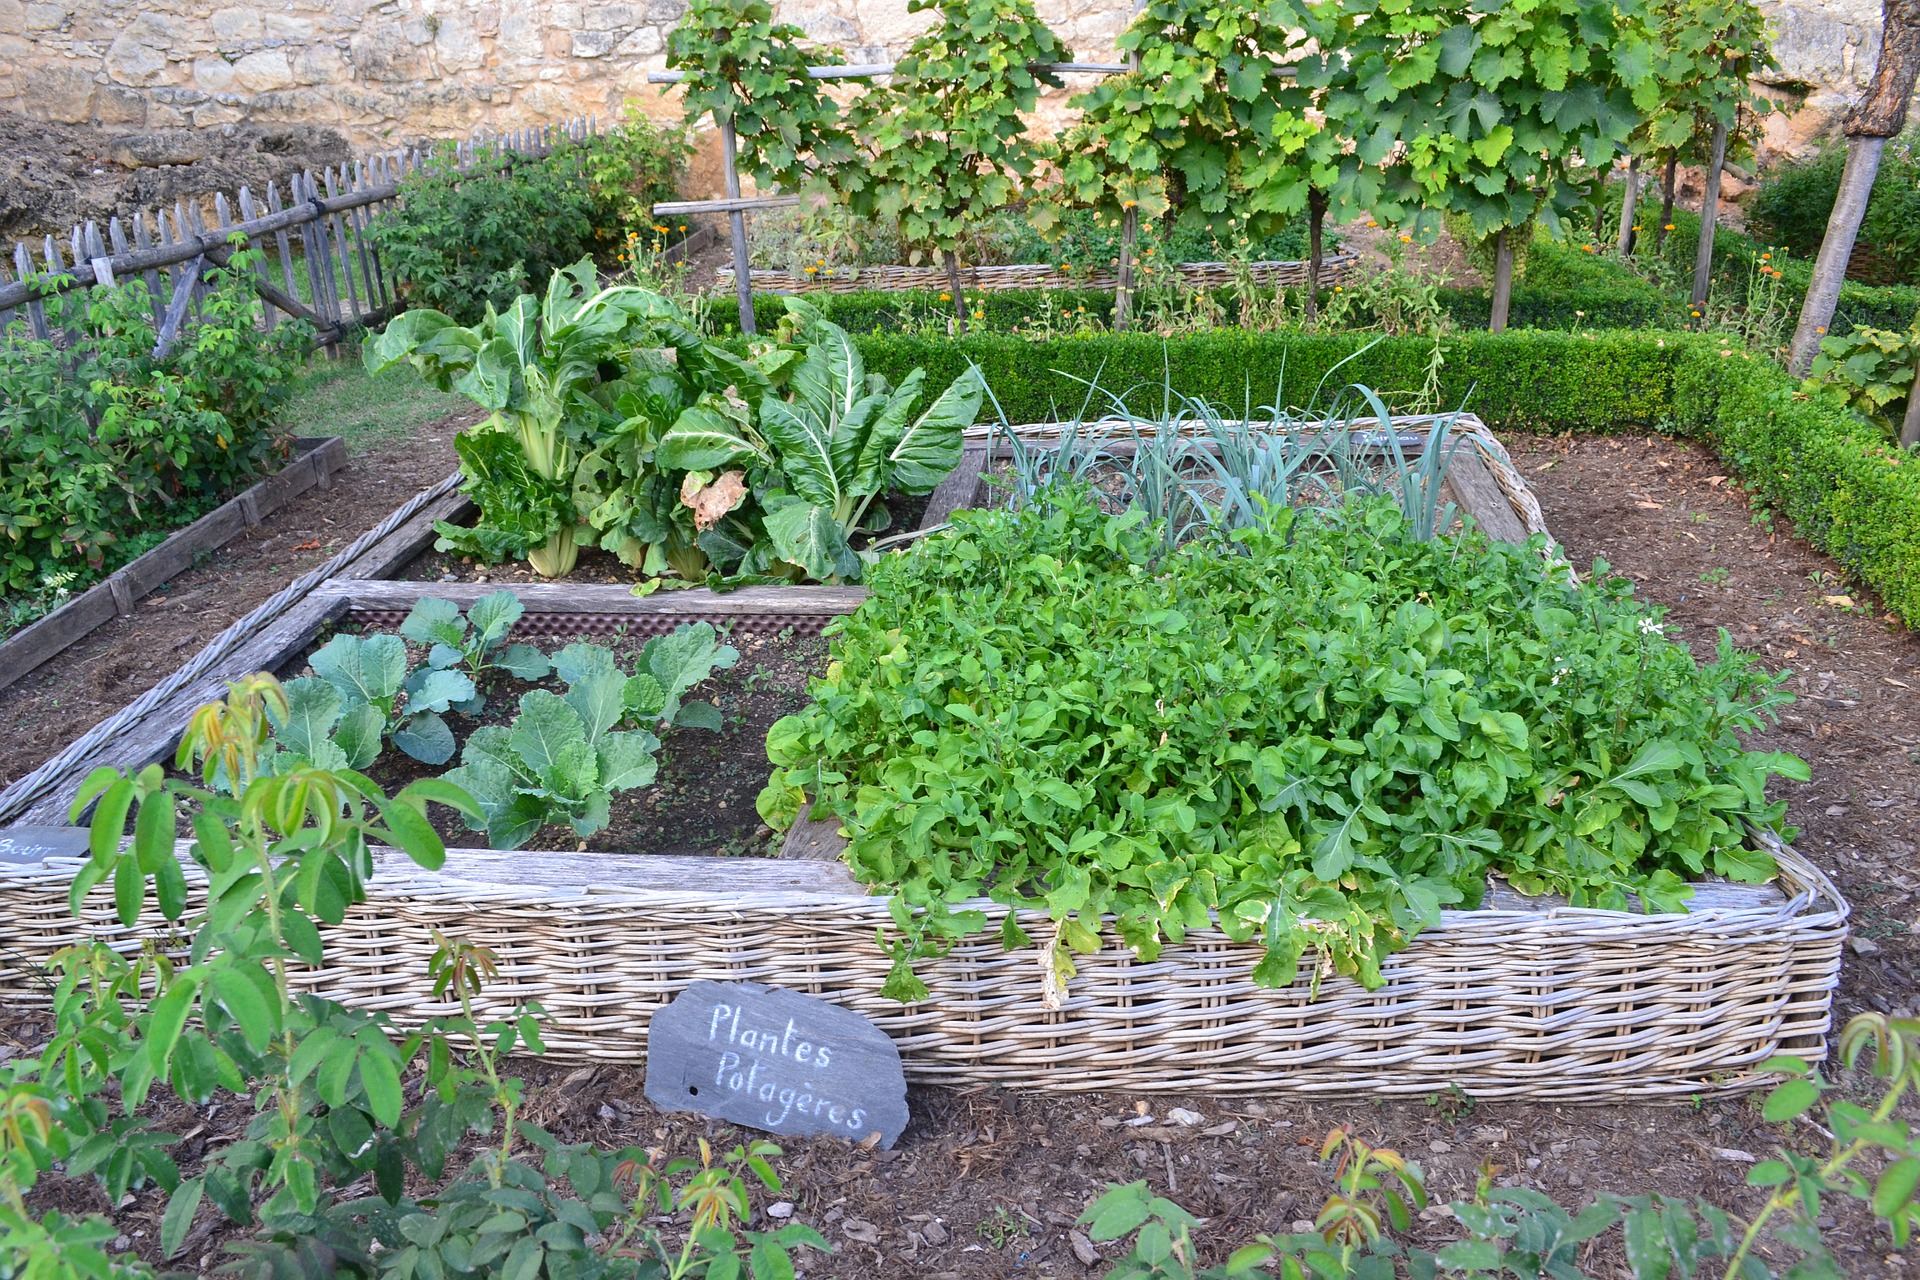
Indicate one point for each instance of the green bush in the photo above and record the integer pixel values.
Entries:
(1792, 206)
(104, 450)
(1831, 472)
(463, 238)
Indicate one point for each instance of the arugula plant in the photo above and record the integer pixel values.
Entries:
(818, 451)
(1319, 732)
(565, 754)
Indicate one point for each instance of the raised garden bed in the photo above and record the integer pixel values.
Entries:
(1334, 268)
(315, 459)
(1524, 997)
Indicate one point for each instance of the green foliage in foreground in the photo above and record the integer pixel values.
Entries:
(1325, 731)
(1516, 1231)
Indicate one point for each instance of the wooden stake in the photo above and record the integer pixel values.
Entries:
(742, 280)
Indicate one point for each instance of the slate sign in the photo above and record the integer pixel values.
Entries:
(32, 844)
(775, 1060)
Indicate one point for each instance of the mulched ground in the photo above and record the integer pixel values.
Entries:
(985, 1182)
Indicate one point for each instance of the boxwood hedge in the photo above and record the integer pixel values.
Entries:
(1840, 480)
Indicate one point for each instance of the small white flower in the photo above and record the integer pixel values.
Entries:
(1648, 627)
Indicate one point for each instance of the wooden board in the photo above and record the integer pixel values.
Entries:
(392, 552)
(314, 465)
(961, 489)
(814, 839)
(630, 872)
(366, 595)
(153, 737)
(1472, 488)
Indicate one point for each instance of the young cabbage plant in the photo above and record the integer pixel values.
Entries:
(818, 451)
(475, 640)
(537, 367)
(375, 698)
(565, 754)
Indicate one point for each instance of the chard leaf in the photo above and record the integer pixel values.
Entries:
(830, 376)
(707, 437)
(806, 454)
(808, 536)
(931, 447)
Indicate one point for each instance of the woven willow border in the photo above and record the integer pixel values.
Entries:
(1563, 1004)
(1042, 275)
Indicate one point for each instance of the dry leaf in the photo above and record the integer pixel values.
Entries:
(1716, 480)
(712, 501)
(1839, 602)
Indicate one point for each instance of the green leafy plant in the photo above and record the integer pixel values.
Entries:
(362, 693)
(475, 640)
(1871, 371)
(343, 1105)
(1320, 732)
(944, 145)
(477, 231)
(1483, 110)
(819, 451)
(746, 70)
(1796, 198)
(557, 449)
(564, 755)
(144, 445)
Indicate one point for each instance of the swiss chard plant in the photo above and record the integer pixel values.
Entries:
(1320, 731)
(561, 444)
(817, 453)
(566, 754)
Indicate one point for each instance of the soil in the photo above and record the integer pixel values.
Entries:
(53, 176)
(702, 800)
(597, 566)
(985, 1182)
(60, 700)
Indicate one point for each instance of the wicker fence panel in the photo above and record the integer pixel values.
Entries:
(1570, 1005)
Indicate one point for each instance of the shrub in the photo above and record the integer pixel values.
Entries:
(104, 450)
(464, 238)
(1792, 206)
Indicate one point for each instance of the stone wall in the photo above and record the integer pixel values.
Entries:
(387, 71)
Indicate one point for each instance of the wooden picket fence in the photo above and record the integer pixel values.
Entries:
(325, 267)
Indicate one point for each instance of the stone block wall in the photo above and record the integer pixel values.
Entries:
(390, 71)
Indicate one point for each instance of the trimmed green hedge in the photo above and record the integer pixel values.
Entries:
(1848, 489)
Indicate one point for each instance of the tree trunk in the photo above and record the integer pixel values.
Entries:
(1709, 220)
(1629, 201)
(1669, 183)
(1880, 114)
(1910, 428)
(1502, 280)
(953, 286)
(1316, 218)
(1123, 287)
(1836, 246)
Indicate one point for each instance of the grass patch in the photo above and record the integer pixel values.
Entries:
(372, 410)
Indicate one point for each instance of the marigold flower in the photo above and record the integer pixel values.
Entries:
(657, 227)
(946, 297)
(1668, 227)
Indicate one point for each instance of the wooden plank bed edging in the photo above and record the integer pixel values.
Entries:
(315, 461)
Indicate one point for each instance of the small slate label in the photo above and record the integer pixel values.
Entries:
(775, 1060)
(34, 844)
